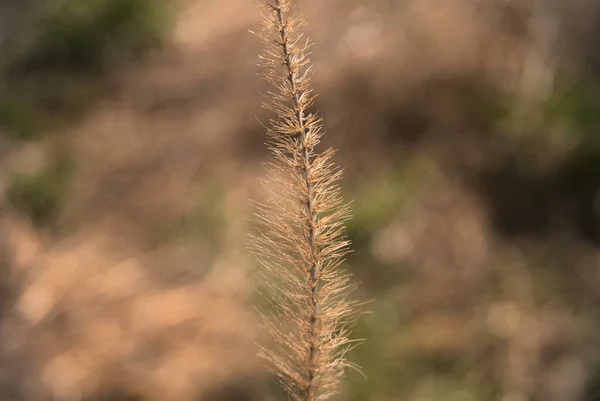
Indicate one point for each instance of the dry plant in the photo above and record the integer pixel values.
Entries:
(299, 239)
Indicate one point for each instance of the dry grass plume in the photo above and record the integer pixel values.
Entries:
(299, 240)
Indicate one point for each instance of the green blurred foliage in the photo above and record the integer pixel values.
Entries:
(577, 103)
(376, 201)
(84, 35)
(380, 198)
(204, 221)
(58, 75)
(396, 358)
(42, 195)
(18, 118)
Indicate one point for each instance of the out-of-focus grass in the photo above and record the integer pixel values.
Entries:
(203, 222)
(83, 35)
(381, 197)
(18, 118)
(42, 195)
(577, 103)
(407, 355)
(61, 72)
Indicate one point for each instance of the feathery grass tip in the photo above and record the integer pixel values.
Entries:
(299, 239)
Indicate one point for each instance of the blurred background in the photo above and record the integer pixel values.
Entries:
(129, 150)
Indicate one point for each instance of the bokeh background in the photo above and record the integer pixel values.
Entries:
(129, 150)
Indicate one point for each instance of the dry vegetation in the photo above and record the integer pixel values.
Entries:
(478, 240)
(300, 241)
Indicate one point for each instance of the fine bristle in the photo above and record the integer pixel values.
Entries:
(299, 238)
